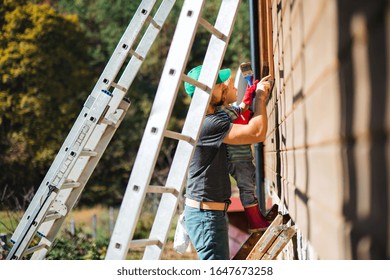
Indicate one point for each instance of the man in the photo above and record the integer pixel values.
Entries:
(208, 186)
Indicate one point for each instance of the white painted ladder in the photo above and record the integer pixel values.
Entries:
(156, 129)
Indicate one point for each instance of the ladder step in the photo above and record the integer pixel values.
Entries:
(179, 136)
(280, 242)
(70, 185)
(153, 22)
(52, 217)
(212, 29)
(136, 55)
(145, 242)
(196, 83)
(88, 153)
(35, 248)
(115, 85)
(162, 189)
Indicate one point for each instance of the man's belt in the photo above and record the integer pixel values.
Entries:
(220, 206)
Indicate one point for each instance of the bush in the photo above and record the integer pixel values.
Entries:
(80, 246)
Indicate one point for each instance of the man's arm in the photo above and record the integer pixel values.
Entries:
(255, 131)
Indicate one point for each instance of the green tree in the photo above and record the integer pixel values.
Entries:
(43, 81)
(238, 50)
(103, 23)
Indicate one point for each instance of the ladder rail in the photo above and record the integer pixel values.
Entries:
(280, 242)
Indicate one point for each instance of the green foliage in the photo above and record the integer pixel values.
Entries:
(144, 225)
(43, 78)
(80, 246)
(238, 50)
(8, 5)
(103, 22)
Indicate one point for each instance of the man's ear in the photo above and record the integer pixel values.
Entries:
(217, 95)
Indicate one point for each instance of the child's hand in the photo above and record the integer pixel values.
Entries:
(250, 93)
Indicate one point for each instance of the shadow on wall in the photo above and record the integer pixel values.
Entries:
(363, 23)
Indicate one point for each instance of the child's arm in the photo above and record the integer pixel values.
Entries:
(248, 97)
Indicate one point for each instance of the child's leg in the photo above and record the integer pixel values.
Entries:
(244, 173)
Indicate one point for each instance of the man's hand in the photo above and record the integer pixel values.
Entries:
(263, 88)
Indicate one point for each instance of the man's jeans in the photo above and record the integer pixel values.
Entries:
(208, 231)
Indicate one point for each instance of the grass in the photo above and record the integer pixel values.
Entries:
(83, 217)
(9, 221)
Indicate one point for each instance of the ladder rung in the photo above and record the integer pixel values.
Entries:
(35, 248)
(115, 85)
(88, 153)
(179, 136)
(196, 83)
(270, 237)
(162, 189)
(52, 217)
(154, 23)
(145, 242)
(280, 242)
(212, 29)
(70, 185)
(139, 57)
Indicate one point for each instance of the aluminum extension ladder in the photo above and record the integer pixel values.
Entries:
(156, 129)
(87, 140)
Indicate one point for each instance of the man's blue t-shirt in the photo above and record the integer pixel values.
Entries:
(208, 175)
